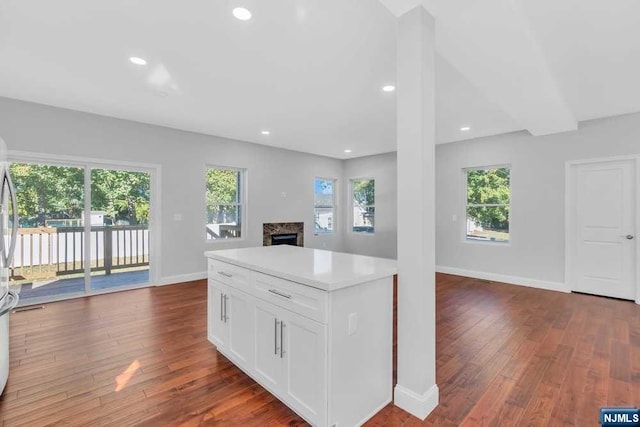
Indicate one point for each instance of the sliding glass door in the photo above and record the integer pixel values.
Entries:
(120, 209)
(49, 258)
(83, 230)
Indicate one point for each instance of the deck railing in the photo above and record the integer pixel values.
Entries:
(49, 250)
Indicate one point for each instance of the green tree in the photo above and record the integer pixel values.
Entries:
(489, 187)
(121, 194)
(364, 191)
(45, 192)
(53, 192)
(222, 195)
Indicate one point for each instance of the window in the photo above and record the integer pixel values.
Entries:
(363, 201)
(488, 202)
(324, 199)
(224, 203)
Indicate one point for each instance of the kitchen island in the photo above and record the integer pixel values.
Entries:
(313, 327)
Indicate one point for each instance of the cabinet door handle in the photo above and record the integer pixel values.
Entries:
(282, 325)
(221, 307)
(222, 273)
(226, 299)
(280, 294)
(275, 336)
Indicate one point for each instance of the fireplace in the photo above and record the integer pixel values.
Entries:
(283, 233)
(285, 239)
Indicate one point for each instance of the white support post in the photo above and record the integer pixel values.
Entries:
(416, 391)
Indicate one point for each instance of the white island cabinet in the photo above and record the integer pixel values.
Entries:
(313, 327)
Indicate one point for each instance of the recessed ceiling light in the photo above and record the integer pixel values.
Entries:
(388, 88)
(347, 151)
(242, 13)
(137, 60)
(465, 128)
(266, 132)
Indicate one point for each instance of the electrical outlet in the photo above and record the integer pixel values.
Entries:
(353, 323)
(177, 217)
(454, 217)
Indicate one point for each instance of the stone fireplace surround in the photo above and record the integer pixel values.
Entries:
(271, 228)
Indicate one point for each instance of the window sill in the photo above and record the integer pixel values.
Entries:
(221, 241)
(486, 242)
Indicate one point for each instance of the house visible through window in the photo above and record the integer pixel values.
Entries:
(363, 205)
(224, 203)
(324, 205)
(488, 202)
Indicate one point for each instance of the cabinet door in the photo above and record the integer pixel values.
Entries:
(305, 357)
(240, 314)
(217, 329)
(268, 358)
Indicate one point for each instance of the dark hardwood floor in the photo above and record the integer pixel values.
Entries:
(506, 355)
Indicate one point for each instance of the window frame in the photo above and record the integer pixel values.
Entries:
(333, 206)
(241, 202)
(352, 205)
(466, 205)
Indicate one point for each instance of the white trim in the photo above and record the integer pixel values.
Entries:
(512, 280)
(570, 204)
(155, 224)
(603, 159)
(568, 229)
(57, 159)
(87, 230)
(417, 405)
(637, 230)
(181, 278)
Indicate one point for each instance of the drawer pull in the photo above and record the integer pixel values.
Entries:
(222, 273)
(273, 291)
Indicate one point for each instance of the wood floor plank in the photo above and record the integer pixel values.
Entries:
(505, 355)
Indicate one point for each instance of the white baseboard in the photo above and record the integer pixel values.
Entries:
(417, 405)
(512, 280)
(180, 278)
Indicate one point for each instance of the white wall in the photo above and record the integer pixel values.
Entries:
(383, 243)
(182, 156)
(536, 253)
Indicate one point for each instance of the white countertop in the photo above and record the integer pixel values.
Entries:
(321, 269)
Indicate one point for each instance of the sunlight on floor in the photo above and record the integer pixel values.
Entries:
(123, 378)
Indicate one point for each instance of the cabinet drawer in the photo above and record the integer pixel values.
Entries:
(230, 274)
(305, 300)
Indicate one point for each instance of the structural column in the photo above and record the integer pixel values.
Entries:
(416, 391)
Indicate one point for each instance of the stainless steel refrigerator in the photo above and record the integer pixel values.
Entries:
(8, 234)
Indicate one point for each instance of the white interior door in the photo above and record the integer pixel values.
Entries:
(603, 226)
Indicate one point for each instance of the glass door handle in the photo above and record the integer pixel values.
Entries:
(7, 253)
(11, 303)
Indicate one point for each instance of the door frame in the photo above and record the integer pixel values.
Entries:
(570, 202)
(155, 172)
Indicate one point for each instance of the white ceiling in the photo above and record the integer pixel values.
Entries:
(310, 71)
